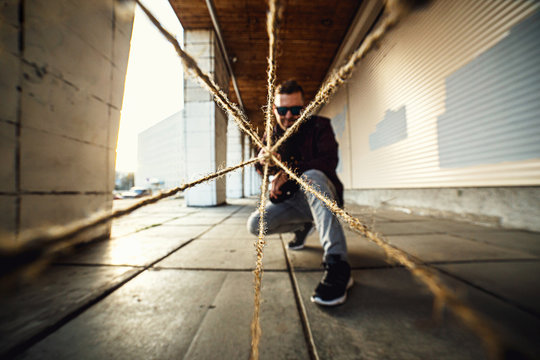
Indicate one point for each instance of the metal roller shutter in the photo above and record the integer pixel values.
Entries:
(450, 99)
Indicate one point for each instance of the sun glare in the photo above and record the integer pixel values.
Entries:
(154, 80)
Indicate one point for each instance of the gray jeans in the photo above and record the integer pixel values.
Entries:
(293, 213)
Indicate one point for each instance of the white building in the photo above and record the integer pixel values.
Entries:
(160, 157)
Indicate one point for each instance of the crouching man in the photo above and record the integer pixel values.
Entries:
(311, 152)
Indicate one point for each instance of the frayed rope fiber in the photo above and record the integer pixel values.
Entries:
(39, 244)
(395, 10)
(428, 275)
(273, 19)
(36, 247)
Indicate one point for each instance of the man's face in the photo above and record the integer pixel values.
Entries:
(287, 100)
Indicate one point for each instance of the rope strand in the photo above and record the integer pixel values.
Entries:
(36, 244)
(272, 23)
(272, 27)
(394, 12)
(36, 249)
(205, 81)
(425, 273)
(258, 272)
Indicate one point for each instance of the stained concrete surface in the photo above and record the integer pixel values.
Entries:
(225, 253)
(443, 247)
(512, 239)
(387, 316)
(168, 288)
(362, 252)
(494, 277)
(60, 291)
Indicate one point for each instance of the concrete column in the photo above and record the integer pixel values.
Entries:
(62, 74)
(248, 169)
(205, 122)
(255, 182)
(235, 183)
(251, 177)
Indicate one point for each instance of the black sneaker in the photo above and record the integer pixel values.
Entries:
(337, 279)
(300, 237)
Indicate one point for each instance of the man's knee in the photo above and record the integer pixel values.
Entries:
(253, 223)
(321, 182)
(316, 176)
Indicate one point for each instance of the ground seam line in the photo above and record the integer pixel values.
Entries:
(44, 333)
(484, 290)
(310, 342)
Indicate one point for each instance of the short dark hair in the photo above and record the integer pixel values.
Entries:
(289, 87)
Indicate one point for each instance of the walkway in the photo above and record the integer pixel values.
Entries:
(176, 282)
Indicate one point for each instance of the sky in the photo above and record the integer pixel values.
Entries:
(154, 80)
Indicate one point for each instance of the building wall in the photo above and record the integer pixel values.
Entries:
(235, 183)
(254, 179)
(449, 100)
(222, 78)
(205, 123)
(62, 70)
(161, 154)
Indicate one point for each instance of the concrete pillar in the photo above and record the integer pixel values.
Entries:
(251, 178)
(248, 169)
(235, 183)
(205, 122)
(255, 182)
(62, 72)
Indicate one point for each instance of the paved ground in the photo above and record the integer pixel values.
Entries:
(175, 282)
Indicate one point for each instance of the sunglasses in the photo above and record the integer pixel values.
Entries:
(295, 110)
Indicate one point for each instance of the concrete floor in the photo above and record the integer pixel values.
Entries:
(175, 282)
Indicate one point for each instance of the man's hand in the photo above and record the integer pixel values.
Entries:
(264, 160)
(280, 179)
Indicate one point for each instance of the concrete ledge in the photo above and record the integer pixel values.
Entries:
(506, 207)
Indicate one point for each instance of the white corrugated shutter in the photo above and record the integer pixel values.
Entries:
(451, 98)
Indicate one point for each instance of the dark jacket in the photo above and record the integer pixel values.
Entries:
(313, 146)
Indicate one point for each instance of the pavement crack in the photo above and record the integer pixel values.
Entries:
(208, 308)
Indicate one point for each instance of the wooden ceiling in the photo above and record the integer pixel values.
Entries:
(310, 35)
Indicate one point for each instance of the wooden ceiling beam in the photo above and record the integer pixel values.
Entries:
(311, 33)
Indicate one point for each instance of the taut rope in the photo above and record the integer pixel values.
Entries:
(35, 245)
(425, 273)
(272, 22)
(272, 26)
(205, 81)
(258, 272)
(395, 10)
(56, 237)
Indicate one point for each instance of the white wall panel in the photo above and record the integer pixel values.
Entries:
(161, 155)
(338, 111)
(466, 75)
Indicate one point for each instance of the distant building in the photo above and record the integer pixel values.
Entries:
(160, 158)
